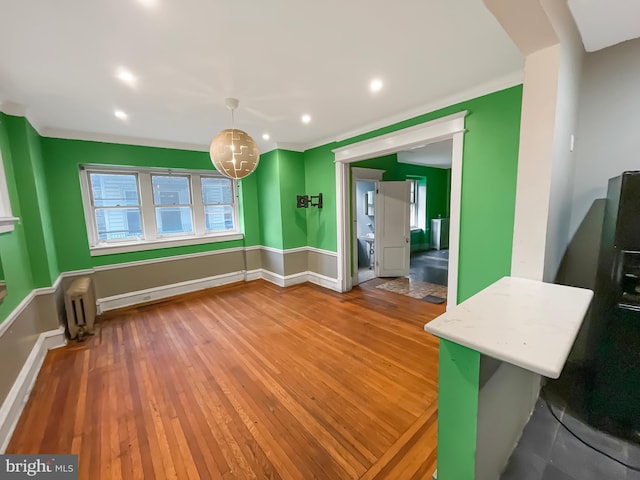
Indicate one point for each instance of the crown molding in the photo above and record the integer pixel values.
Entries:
(12, 108)
(19, 110)
(294, 147)
(507, 81)
(121, 139)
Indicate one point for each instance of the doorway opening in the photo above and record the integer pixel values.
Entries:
(364, 234)
(451, 129)
(426, 172)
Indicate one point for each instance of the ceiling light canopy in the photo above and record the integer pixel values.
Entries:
(121, 114)
(233, 152)
(306, 118)
(266, 136)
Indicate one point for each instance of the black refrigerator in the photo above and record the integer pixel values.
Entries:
(613, 398)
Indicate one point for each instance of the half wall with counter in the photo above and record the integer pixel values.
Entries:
(495, 348)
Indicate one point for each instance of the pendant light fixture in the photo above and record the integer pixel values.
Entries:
(233, 152)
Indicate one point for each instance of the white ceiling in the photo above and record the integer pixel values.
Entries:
(281, 58)
(437, 155)
(603, 23)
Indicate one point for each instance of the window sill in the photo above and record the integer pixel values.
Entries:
(7, 224)
(163, 243)
(415, 229)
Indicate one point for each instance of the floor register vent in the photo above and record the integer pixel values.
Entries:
(80, 305)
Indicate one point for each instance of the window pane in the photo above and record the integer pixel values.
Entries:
(171, 190)
(173, 220)
(216, 190)
(114, 190)
(414, 215)
(218, 218)
(118, 223)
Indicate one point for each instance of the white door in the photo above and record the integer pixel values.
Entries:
(392, 247)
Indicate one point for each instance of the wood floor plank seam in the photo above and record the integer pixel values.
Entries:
(427, 418)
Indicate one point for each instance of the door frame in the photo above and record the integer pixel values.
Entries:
(445, 128)
(359, 175)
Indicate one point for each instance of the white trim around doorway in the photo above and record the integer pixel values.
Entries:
(449, 127)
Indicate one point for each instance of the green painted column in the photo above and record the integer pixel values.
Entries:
(14, 253)
(458, 390)
(35, 213)
(280, 177)
(268, 182)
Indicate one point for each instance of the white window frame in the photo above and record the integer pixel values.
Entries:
(201, 224)
(415, 202)
(191, 204)
(7, 220)
(152, 240)
(421, 203)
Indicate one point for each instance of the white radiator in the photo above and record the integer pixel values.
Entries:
(80, 304)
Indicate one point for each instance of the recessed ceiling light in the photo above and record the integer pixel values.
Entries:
(148, 3)
(127, 77)
(306, 118)
(266, 136)
(120, 114)
(375, 85)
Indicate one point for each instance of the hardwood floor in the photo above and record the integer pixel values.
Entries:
(248, 381)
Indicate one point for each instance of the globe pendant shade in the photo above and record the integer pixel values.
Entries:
(234, 153)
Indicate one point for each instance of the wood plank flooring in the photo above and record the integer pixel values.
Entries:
(248, 381)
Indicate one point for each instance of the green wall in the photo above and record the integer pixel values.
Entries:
(248, 211)
(63, 159)
(320, 177)
(292, 183)
(458, 393)
(488, 186)
(438, 183)
(267, 178)
(28, 167)
(436, 180)
(280, 178)
(14, 253)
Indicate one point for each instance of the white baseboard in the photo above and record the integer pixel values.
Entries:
(324, 281)
(296, 278)
(19, 394)
(272, 277)
(251, 275)
(165, 291)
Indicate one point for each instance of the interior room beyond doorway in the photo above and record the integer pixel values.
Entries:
(428, 169)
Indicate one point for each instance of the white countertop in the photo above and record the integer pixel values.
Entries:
(524, 322)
